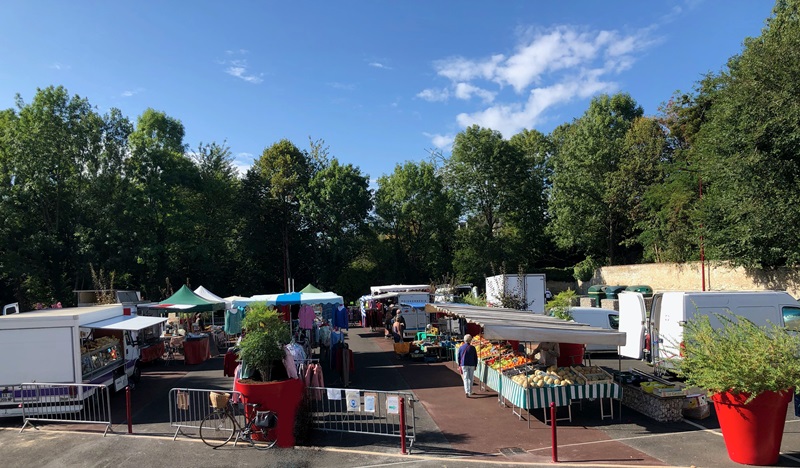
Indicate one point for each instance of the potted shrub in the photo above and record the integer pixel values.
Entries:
(262, 348)
(751, 372)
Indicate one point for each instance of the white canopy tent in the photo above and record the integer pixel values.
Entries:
(518, 325)
(210, 296)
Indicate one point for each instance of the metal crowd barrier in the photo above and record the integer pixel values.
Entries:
(189, 406)
(363, 412)
(72, 403)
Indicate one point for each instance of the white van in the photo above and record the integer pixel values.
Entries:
(597, 317)
(657, 337)
(416, 319)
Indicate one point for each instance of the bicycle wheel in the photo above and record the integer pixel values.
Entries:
(264, 438)
(217, 429)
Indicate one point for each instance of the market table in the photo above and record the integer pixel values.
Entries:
(152, 352)
(196, 350)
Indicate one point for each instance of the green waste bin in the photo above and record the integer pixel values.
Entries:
(598, 291)
(646, 290)
(612, 292)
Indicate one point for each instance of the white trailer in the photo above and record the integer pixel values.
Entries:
(530, 287)
(96, 345)
(657, 336)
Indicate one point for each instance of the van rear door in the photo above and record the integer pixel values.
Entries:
(632, 319)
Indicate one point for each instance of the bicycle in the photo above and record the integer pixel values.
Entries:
(218, 428)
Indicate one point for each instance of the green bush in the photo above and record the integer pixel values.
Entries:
(739, 356)
(584, 270)
(266, 334)
(560, 304)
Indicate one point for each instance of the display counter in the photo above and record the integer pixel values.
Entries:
(196, 350)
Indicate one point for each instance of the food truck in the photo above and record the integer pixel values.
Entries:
(95, 345)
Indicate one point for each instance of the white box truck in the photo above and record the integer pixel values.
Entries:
(530, 287)
(96, 345)
(412, 299)
(657, 336)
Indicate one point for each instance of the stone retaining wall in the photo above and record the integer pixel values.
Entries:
(660, 409)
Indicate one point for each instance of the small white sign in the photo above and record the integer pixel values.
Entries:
(334, 394)
(121, 382)
(393, 405)
(353, 399)
(369, 402)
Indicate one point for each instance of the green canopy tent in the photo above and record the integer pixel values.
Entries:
(185, 301)
(310, 289)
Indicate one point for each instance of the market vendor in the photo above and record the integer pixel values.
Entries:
(548, 353)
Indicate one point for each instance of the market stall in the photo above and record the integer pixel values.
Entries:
(525, 385)
(186, 303)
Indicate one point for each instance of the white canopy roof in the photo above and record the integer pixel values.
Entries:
(127, 322)
(520, 325)
(303, 298)
(210, 296)
(400, 288)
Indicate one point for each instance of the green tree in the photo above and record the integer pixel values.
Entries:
(485, 173)
(335, 208)
(162, 182)
(749, 149)
(585, 153)
(285, 173)
(417, 216)
(46, 148)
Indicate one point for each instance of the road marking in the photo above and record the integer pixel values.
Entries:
(410, 458)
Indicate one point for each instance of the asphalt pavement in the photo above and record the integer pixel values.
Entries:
(451, 429)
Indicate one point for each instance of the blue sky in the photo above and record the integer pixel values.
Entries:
(382, 82)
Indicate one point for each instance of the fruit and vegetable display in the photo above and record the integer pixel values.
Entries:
(593, 374)
(551, 377)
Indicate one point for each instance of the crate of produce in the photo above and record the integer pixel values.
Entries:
(593, 374)
(665, 392)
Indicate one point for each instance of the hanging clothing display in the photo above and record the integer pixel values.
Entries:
(313, 378)
(341, 317)
(233, 321)
(306, 317)
(288, 363)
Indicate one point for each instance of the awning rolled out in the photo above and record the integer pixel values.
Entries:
(127, 322)
(508, 324)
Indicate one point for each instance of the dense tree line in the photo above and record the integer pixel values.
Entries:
(84, 195)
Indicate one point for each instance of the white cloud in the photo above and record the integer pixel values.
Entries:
(243, 162)
(131, 92)
(510, 119)
(552, 67)
(59, 66)
(379, 65)
(466, 91)
(239, 67)
(434, 95)
(442, 142)
(344, 86)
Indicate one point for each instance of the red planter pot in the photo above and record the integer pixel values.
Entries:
(752, 432)
(281, 397)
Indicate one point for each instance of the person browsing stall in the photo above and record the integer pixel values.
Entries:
(467, 362)
(398, 327)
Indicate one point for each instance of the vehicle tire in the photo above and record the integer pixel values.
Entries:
(264, 438)
(217, 429)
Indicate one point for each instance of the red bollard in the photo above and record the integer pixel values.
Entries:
(553, 431)
(128, 408)
(403, 426)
